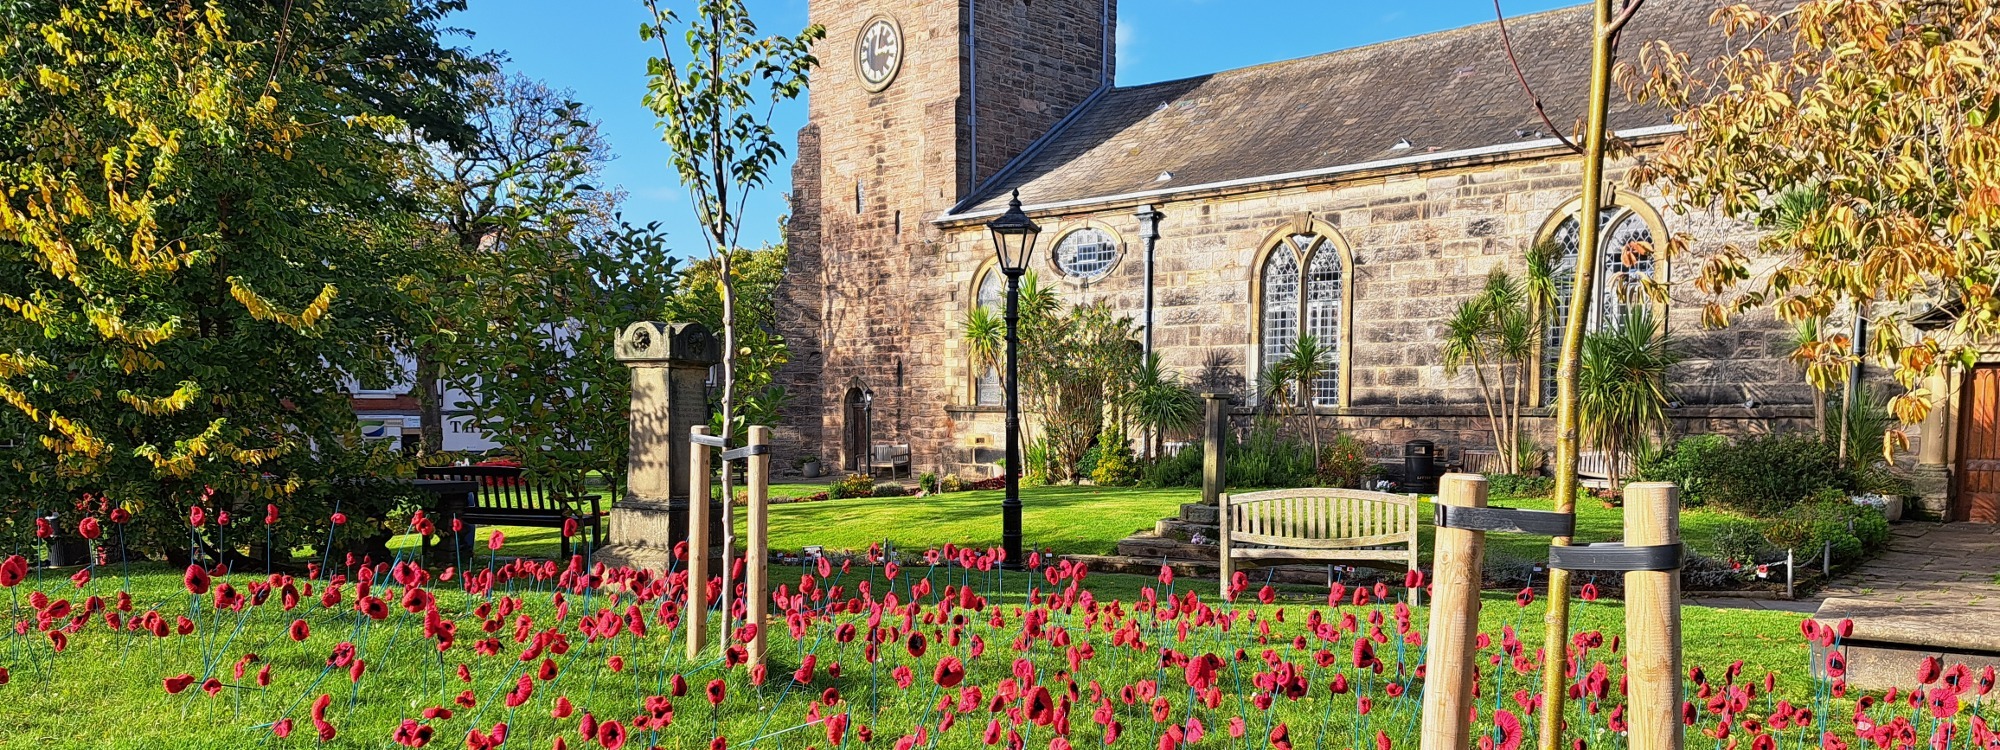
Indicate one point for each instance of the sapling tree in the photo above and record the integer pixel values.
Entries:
(715, 93)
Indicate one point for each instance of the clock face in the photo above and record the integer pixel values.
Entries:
(878, 53)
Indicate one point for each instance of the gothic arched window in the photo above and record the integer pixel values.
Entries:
(986, 387)
(1301, 291)
(1624, 264)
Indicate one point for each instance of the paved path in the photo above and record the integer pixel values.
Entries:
(1950, 565)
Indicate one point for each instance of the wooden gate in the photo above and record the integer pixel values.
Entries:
(1978, 475)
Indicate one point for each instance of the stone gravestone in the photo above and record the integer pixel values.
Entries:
(670, 364)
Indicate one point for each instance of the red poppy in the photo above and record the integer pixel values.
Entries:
(13, 570)
(718, 743)
(836, 729)
(493, 542)
(178, 683)
(717, 690)
(89, 529)
(1509, 727)
(1526, 597)
(338, 518)
(950, 672)
(300, 630)
(611, 734)
(270, 514)
(196, 580)
(1929, 670)
(197, 515)
(120, 515)
(43, 530)
(917, 644)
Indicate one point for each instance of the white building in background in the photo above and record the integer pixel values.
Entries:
(394, 413)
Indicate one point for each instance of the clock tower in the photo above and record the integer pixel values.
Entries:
(915, 104)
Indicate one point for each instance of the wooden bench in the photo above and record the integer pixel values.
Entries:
(1311, 525)
(891, 457)
(1593, 468)
(508, 497)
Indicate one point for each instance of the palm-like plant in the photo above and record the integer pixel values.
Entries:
(1622, 391)
(1304, 364)
(1500, 327)
(1159, 401)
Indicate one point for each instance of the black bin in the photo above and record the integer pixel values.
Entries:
(1420, 466)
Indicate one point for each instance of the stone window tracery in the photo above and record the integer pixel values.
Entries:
(1301, 292)
(1622, 271)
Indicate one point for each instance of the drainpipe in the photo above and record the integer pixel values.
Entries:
(1149, 230)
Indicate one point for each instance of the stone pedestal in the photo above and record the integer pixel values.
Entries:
(1932, 485)
(1214, 444)
(669, 364)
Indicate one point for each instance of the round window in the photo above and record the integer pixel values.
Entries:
(1086, 254)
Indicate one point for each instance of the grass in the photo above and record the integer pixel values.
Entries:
(105, 690)
(1092, 520)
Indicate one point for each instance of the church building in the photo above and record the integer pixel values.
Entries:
(1356, 196)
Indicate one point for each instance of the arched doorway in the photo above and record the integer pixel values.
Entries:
(854, 430)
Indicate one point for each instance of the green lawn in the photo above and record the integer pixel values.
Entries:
(105, 690)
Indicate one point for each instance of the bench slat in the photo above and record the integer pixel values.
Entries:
(1344, 543)
(1309, 554)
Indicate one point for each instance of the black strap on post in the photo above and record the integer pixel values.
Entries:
(745, 452)
(1516, 520)
(712, 441)
(1615, 556)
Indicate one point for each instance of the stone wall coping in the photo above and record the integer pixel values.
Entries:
(1956, 629)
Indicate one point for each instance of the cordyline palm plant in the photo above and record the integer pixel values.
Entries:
(1499, 329)
(1622, 391)
(1291, 381)
(1159, 401)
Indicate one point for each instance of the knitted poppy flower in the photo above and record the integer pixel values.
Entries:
(494, 541)
(89, 529)
(196, 580)
(13, 570)
(120, 516)
(300, 630)
(197, 515)
(178, 683)
(611, 734)
(950, 672)
(338, 518)
(270, 514)
(717, 691)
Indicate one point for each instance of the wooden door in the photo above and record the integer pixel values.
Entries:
(1978, 497)
(855, 437)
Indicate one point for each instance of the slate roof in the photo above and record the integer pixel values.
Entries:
(1440, 92)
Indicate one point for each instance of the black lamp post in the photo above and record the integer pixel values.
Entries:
(1013, 242)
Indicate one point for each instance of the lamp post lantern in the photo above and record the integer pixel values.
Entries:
(1014, 243)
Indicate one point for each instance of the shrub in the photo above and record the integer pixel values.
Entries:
(1181, 469)
(1769, 475)
(1115, 466)
(1036, 463)
(1087, 466)
(928, 482)
(1521, 485)
(951, 483)
(890, 490)
(1742, 541)
(1690, 463)
(853, 485)
(1831, 522)
(1345, 462)
(1877, 480)
(1270, 459)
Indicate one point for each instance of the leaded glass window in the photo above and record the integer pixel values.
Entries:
(1622, 272)
(1302, 295)
(989, 393)
(1086, 254)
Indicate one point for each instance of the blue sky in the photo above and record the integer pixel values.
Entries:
(592, 48)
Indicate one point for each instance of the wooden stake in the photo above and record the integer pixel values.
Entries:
(1653, 621)
(1455, 579)
(696, 614)
(756, 579)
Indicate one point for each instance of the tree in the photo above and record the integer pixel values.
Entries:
(1297, 374)
(1499, 329)
(527, 137)
(1884, 110)
(1622, 391)
(760, 351)
(202, 225)
(715, 97)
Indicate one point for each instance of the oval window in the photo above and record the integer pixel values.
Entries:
(1086, 254)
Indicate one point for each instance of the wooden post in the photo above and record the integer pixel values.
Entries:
(756, 579)
(1224, 524)
(1214, 437)
(696, 614)
(1653, 621)
(1455, 579)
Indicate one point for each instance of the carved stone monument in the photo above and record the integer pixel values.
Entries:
(669, 363)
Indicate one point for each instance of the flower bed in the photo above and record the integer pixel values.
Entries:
(939, 649)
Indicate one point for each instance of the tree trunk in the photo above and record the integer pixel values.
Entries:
(430, 400)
